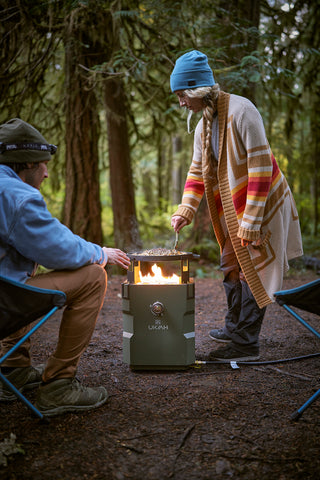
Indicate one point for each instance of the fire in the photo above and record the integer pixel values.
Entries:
(157, 277)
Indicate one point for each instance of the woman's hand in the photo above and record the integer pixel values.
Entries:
(178, 222)
(245, 243)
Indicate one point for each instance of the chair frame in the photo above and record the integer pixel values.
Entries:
(285, 298)
(60, 299)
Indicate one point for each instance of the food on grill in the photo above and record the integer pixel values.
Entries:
(158, 252)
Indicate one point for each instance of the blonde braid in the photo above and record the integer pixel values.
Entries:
(209, 97)
(209, 111)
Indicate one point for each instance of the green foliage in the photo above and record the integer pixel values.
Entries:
(209, 250)
(155, 229)
(305, 210)
(278, 63)
(311, 246)
(206, 271)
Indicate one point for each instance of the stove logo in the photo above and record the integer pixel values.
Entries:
(158, 325)
(157, 309)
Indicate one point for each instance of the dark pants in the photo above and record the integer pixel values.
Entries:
(244, 318)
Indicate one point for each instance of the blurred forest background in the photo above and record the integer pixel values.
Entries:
(93, 77)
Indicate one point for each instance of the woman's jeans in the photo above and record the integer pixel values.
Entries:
(244, 318)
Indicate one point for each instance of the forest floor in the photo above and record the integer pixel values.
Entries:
(214, 422)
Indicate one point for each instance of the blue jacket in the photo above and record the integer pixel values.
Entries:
(29, 235)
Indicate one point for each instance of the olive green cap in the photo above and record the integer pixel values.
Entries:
(20, 142)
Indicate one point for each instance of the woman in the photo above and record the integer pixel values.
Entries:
(252, 210)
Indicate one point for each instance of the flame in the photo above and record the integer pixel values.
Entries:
(157, 277)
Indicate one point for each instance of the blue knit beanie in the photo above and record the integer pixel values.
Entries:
(191, 71)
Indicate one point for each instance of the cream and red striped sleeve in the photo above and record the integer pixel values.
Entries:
(194, 186)
(262, 171)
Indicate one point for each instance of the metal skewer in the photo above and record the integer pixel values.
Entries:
(176, 242)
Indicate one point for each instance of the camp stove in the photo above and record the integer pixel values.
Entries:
(158, 312)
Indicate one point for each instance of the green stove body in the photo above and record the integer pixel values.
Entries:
(158, 322)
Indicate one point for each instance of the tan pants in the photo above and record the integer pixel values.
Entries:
(85, 289)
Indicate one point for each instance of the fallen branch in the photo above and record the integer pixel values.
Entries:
(130, 447)
(182, 442)
(296, 375)
(186, 435)
(284, 372)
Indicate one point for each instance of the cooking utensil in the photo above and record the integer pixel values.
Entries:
(176, 242)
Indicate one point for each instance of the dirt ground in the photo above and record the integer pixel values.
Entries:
(213, 422)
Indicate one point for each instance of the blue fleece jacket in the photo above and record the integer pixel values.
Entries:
(29, 235)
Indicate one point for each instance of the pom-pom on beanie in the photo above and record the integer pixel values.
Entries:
(20, 142)
(191, 71)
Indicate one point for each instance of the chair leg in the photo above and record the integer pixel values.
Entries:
(22, 397)
(28, 334)
(297, 414)
(13, 349)
(301, 320)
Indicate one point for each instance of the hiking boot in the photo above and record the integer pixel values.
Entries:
(23, 378)
(68, 395)
(218, 335)
(229, 354)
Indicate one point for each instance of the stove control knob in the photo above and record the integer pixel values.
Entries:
(157, 309)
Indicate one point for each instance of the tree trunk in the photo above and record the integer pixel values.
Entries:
(160, 166)
(176, 170)
(315, 155)
(126, 232)
(82, 209)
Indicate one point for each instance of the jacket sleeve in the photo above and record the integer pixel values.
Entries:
(260, 171)
(36, 235)
(194, 187)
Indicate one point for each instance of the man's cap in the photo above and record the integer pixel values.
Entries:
(20, 142)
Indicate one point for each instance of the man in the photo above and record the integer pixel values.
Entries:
(29, 236)
(251, 206)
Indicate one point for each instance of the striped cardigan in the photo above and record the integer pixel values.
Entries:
(248, 196)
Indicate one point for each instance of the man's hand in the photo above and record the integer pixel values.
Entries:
(117, 257)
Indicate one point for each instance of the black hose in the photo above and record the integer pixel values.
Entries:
(267, 362)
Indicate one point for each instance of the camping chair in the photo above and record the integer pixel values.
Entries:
(20, 305)
(306, 297)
